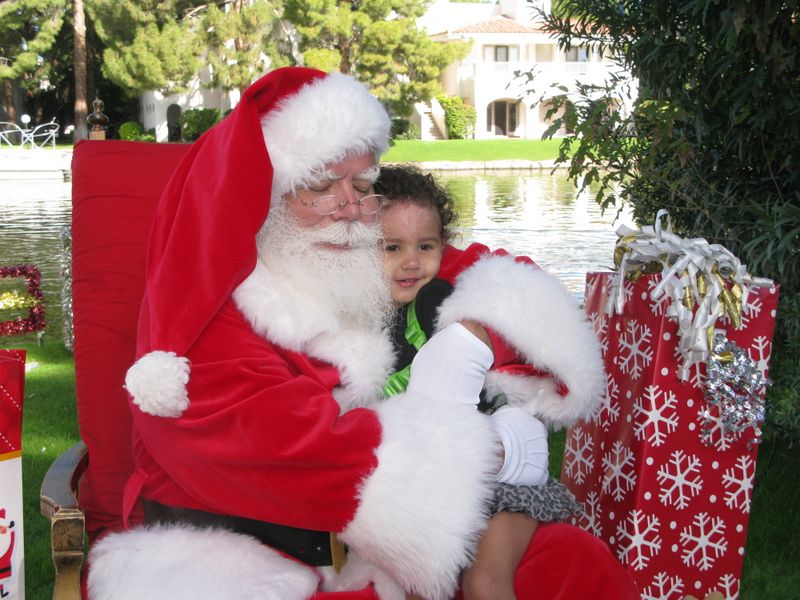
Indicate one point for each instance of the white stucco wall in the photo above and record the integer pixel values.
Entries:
(154, 104)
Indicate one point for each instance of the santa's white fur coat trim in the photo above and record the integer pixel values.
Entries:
(294, 320)
(536, 315)
(423, 508)
(151, 562)
(328, 119)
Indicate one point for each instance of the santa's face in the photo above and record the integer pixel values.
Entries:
(334, 260)
(6, 527)
(349, 180)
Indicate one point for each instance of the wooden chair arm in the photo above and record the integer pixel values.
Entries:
(59, 504)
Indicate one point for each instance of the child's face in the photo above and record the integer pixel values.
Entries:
(412, 247)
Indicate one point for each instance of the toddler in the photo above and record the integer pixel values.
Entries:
(416, 223)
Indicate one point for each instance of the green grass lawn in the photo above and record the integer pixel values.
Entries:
(50, 427)
(471, 150)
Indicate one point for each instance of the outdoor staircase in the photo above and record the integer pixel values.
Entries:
(428, 128)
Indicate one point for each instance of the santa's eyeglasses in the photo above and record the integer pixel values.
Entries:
(329, 204)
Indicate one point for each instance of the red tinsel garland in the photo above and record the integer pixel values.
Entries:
(35, 320)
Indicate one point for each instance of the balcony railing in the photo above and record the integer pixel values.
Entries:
(496, 74)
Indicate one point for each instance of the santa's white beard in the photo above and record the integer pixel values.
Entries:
(348, 283)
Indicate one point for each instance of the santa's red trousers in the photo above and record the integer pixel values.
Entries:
(562, 562)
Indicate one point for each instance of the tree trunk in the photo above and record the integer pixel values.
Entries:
(81, 106)
(345, 66)
(8, 98)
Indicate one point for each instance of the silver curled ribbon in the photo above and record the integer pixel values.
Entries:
(734, 390)
(702, 281)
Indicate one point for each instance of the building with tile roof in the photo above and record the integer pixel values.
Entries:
(507, 41)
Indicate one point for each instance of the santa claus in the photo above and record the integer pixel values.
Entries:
(262, 446)
(7, 539)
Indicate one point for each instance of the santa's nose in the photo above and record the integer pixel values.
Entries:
(3, 529)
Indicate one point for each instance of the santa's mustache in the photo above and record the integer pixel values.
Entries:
(347, 234)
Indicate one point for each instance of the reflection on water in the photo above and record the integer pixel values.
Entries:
(532, 213)
(538, 215)
(32, 217)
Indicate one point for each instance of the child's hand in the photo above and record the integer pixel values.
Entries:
(451, 366)
(524, 440)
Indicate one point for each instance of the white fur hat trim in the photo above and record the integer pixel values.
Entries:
(329, 119)
(157, 383)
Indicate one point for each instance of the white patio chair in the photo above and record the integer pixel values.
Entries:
(43, 134)
(10, 133)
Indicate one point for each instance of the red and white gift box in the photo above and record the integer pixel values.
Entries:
(668, 489)
(12, 384)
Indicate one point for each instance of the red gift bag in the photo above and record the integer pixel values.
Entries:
(661, 476)
(12, 383)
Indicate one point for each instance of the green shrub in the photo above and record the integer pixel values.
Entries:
(713, 136)
(196, 121)
(459, 118)
(130, 130)
(403, 129)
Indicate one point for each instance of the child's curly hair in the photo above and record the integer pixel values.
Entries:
(407, 183)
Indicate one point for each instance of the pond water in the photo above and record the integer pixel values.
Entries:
(526, 212)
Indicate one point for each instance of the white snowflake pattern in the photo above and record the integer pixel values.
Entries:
(703, 542)
(627, 290)
(578, 455)
(750, 311)
(634, 350)
(679, 480)
(711, 429)
(619, 475)
(655, 415)
(607, 411)
(663, 587)
(600, 326)
(760, 352)
(738, 482)
(592, 511)
(697, 371)
(657, 307)
(591, 285)
(638, 539)
(728, 585)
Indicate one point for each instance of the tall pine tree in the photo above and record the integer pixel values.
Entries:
(242, 41)
(148, 43)
(378, 41)
(28, 29)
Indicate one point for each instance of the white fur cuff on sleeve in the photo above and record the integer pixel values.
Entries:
(539, 318)
(423, 508)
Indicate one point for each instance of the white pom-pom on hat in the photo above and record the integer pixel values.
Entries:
(157, 383)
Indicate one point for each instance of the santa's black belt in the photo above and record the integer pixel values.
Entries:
(315, 548)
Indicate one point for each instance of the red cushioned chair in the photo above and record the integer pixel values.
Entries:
(115, 187)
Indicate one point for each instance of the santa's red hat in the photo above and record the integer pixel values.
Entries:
(288, 124)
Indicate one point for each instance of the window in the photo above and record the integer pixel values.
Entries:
(577, 54)
(545, 53)
(501, 54)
